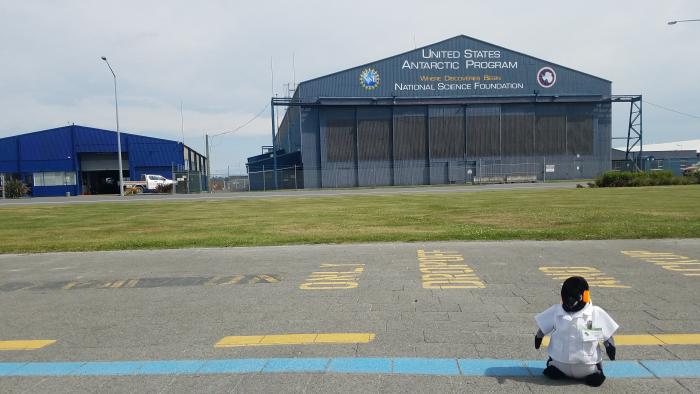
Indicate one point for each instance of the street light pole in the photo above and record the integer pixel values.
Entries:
(119, 138)
(684, 20)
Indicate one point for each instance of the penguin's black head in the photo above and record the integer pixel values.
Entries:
(574, 294)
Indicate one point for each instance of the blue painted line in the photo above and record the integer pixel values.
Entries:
(99, 368)
(233, 366)
(536, 366)
(360, 365)
(8, 369)
(425, 366)
(490, 367)
(625, 369)
(401, 366)
(175, 367)
(296, 365)
(48, 369)
(674, 368)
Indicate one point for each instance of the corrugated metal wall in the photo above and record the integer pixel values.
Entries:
(364, 146)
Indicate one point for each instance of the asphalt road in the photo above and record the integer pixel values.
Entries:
(287, 193)
(429, 328)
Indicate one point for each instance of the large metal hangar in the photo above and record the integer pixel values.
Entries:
(460, 110)
(83, 160)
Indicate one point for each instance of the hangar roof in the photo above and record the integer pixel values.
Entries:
(457, 67)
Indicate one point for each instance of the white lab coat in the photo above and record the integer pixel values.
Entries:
(573, 339)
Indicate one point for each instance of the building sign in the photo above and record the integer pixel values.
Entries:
(469, 70)
(549, 168)
(457, 67)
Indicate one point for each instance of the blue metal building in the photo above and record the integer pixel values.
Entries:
(83, 160)
(460, 110)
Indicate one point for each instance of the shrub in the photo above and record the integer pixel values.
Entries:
(694, 177)
(15, 189)
(633, 179)
(164, 188)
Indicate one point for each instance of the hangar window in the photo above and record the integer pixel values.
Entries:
(579, 135)
(447, 133)
(410, 133)
(54, 178)
(483, 131)
(338, 127)
(374, 134)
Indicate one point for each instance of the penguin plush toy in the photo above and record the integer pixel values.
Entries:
(576, 327)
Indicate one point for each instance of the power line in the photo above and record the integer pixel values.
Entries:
(244, 124)
(672, 110)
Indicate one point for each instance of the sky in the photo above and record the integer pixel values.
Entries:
(213, 58)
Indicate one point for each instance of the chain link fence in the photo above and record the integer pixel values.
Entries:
(375, 174)
(189, 182)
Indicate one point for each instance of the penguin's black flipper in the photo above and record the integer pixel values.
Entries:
(610, 350)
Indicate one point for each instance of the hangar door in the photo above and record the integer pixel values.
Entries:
(99, 172)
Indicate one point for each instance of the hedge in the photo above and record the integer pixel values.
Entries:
(632, 179)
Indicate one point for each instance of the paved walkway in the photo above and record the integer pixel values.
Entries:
(418, 317)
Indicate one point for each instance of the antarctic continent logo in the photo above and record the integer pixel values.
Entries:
(369, 78)
(546, 77)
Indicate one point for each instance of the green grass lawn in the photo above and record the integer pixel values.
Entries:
(651, 212)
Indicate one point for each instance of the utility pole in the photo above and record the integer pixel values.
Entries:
(2, 183)
(208, 165)
(274, 141)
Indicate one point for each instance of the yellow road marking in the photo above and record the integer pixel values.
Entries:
(232, 280)
(679, 339)
(594, 277)
(639, 340)
(117, 284)
(288, 339)
(294, 339)
(446, 270)
(334, 280)
(26, 344)
(651, 339)
(669, 261)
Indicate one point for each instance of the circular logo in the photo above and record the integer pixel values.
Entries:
(369, 78)
(546, 77)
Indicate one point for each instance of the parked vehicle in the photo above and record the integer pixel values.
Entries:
(690, 170)
(148, 182)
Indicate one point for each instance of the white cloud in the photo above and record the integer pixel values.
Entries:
(215, 56)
